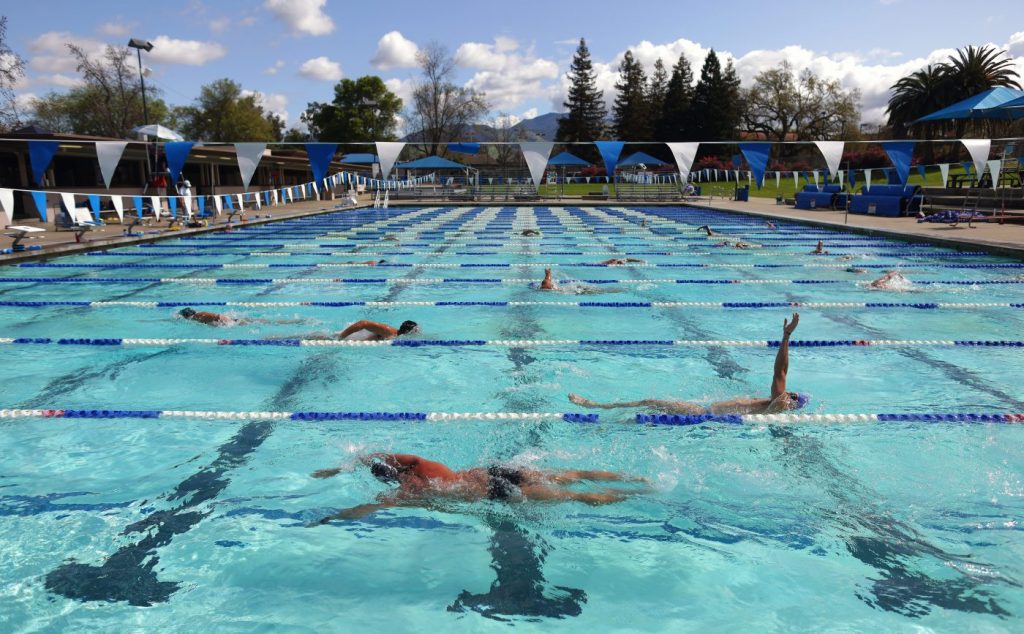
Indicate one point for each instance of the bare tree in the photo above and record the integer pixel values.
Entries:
(12, 69)
(782, 103)
(506, 153)
(115, 91)
(441, 111)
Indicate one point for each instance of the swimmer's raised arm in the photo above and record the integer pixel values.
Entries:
(782, 357)
(381, 330)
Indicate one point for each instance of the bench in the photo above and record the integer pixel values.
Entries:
(813, 197)
(887, 200)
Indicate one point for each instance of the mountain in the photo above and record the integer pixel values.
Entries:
(542, 128)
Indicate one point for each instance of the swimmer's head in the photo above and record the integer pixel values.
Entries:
(797, 400)
(384, 472)
(407, 327)
(381, 261)
(187, 313)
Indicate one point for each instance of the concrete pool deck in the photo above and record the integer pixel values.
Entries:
(1005, 240)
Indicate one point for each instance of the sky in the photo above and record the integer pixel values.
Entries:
(292, 52)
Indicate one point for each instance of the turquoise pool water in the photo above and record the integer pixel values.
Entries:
(150, 523)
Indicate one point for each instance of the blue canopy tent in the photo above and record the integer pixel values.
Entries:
(984, 105)
(640, 158)
(1014, 108)
(357, 158)
(435, 163)
(564, 160)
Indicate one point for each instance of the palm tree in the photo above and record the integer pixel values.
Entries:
(915, 96)
(974, 70)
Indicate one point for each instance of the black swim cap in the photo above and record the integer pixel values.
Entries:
(407, 327)
(186, 312)
(384, 472)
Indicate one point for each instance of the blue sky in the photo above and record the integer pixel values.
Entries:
(293, 51)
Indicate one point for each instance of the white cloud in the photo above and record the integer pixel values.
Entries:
(58, 79)
(321, 68)
(271, 102)
(507, 76)
(249, 21)
(168, 50)
(532, 113)
(220, 24)
(395, 51)
(401, 87)
(275, 68)
(303, 16)
(49, 52)
(115, 28)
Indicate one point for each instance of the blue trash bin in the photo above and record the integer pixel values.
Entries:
(743, 194)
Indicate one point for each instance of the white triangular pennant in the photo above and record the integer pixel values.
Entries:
(69, 204)
(109, 155)
(778, 180)
(944, 172)
(815, 172)
(536, 154)
(241, 202)
(993, 169)
(796, 181)
(187, 200)
(683, 153)
(387, 154)
(7, 204)
(248, 155)
(833, 153)
(978, 149)
(218, 204)
(118, 207)
(867, 179)
(273, 197)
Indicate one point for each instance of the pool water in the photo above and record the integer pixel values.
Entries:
(132, 523)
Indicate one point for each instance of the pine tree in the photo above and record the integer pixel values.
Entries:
(657, 90)
(674, 121)
(585, 102)
(716, 101)
(630, 113)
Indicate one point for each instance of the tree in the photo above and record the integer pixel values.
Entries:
(674, 121)
(12, 69)
(441, 111)
(584, 120)
(657, 90)
(506, 153)
(716, 105)
(362, 110)
(970, 71)
(222, 112)
(780, 104)
(109, 101)
(630, 113)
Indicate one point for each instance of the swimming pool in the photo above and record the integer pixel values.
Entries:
(158, 472)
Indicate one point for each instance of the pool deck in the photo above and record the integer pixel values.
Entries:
(1005, 240)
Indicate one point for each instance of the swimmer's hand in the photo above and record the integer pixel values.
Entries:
(788, 327)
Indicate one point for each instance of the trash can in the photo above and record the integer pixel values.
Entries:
(743, 194)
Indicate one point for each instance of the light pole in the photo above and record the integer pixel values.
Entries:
(139, 46)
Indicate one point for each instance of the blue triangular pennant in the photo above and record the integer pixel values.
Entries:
(610, 151)
(757, 158)
(176, 152)
(227, 202)
(920, 171)
(172, 202)
(320, 155)
(39, 198)
(899, 153)
(94, 204)
(40, 153)
(138, 205)
(202, 205)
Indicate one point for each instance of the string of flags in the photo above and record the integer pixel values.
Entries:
(535, 153)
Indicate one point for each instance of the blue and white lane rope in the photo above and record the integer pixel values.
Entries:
(343, 304)
(393, 253)
(451, 280)
(572, 417)
(303, 416)
(510, 265)
(515, 343)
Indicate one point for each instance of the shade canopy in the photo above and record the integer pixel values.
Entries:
(157, 132)
(1014, 104)
(566, 159)
(431, 163)
(984, 105)
(638, 158)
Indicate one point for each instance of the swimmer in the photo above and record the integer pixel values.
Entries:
(892, 280)
(744, 245)
(820, 249)
(530, 232)
(548, 284)
(367, 262)
(706, 228)
(771, 225)
(855, 269)
(365, 330)
(422, 482)
(222, 319)
(780, 400)
(619, 261)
